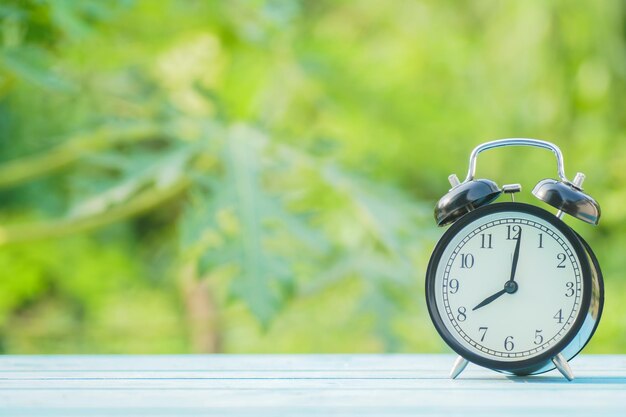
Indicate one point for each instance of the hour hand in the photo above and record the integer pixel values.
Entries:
(490, 299)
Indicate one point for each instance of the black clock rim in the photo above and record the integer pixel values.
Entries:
(431, 302)
(596, 266)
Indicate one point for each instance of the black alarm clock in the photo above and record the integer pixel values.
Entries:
(510, 286)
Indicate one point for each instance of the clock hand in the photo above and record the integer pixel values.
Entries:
(510, 286)
(516, 256)
(490, 299)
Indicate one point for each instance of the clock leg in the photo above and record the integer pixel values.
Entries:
(459, 366)
(563, 366)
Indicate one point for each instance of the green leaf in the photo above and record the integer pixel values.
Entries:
(66, 15)
(258, 272)
(158, 173)
(32, 65)
(237, 219)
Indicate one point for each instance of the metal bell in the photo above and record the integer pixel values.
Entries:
(569, 198)
(463, 198)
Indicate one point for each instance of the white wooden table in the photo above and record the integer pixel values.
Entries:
(299, 385)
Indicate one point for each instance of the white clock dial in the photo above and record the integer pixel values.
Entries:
(508, 286)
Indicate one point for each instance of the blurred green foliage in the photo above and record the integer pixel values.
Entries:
(259, 176)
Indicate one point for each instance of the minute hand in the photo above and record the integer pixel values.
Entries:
(516, 256)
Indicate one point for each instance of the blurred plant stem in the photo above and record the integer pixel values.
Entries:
(76, 147)
(145, 201)
(201, 311)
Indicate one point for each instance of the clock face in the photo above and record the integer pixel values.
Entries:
(507, 283)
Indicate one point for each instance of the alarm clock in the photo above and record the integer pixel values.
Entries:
(509, 285)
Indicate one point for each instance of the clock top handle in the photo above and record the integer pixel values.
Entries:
(564, 195)
(500, 143)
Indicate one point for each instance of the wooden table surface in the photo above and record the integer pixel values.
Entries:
(299, 385)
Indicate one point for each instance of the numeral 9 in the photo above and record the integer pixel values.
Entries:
(454, 286)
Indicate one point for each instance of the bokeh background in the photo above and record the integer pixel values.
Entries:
(259, 176)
